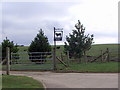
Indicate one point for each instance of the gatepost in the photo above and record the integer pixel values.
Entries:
(8, 60)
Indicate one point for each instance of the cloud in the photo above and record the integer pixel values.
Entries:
(99, 17)
(32, 9)
(0, 22)
(106, 40)
(22, 20)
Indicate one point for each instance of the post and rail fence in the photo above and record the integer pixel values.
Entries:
(25, 61)
(102, 56)
(30, 61)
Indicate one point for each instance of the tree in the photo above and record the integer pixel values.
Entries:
(39, 44)
(77, 42)
(13, 49)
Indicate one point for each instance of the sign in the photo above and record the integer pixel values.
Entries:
(58, 39)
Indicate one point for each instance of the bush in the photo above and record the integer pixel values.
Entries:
(13, 49)
(39, 44)
(78, 43)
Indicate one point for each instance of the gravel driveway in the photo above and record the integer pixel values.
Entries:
(73, 80)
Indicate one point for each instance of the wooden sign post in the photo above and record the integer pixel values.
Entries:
(58, 33)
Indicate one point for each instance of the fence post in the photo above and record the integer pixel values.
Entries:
(85, 57)
(101, 55)
(68, 58)
(108, 58)
(54, 59)
(8, 60)
(61, 56)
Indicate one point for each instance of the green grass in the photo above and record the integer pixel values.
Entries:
(58, 51)
(29, 67)
(94, 51)
(11, 81)
(93, 67)
(90, 67)
(23, 49)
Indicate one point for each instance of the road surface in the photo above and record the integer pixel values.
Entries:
(73, 80)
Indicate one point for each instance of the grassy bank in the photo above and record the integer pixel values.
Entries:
(11, 81)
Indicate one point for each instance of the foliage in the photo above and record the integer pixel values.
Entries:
(77, 42)
(13, 49)
(39, 44)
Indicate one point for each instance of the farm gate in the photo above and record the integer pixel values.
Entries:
(31, 61)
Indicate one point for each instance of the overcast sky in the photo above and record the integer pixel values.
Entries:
(21, 21)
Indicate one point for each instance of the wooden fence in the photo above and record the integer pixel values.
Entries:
(104, 56)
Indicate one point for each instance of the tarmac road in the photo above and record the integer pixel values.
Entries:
(73, 80)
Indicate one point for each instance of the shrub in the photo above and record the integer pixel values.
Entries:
(39, 44)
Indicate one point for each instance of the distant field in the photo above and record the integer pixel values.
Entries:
(93, 48)
(23, 49)
(94, 51)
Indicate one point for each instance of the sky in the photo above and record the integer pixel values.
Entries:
(21, 21)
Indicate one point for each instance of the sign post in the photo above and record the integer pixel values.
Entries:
(58, 33)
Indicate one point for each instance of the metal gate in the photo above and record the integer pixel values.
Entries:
(32, 61)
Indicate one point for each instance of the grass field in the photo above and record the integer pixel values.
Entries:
(80, 67)
(94, 51)
(93, 67)
(29, 67)
(11, 81)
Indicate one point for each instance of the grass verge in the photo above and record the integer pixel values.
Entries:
(11, 81)
(107, 67)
